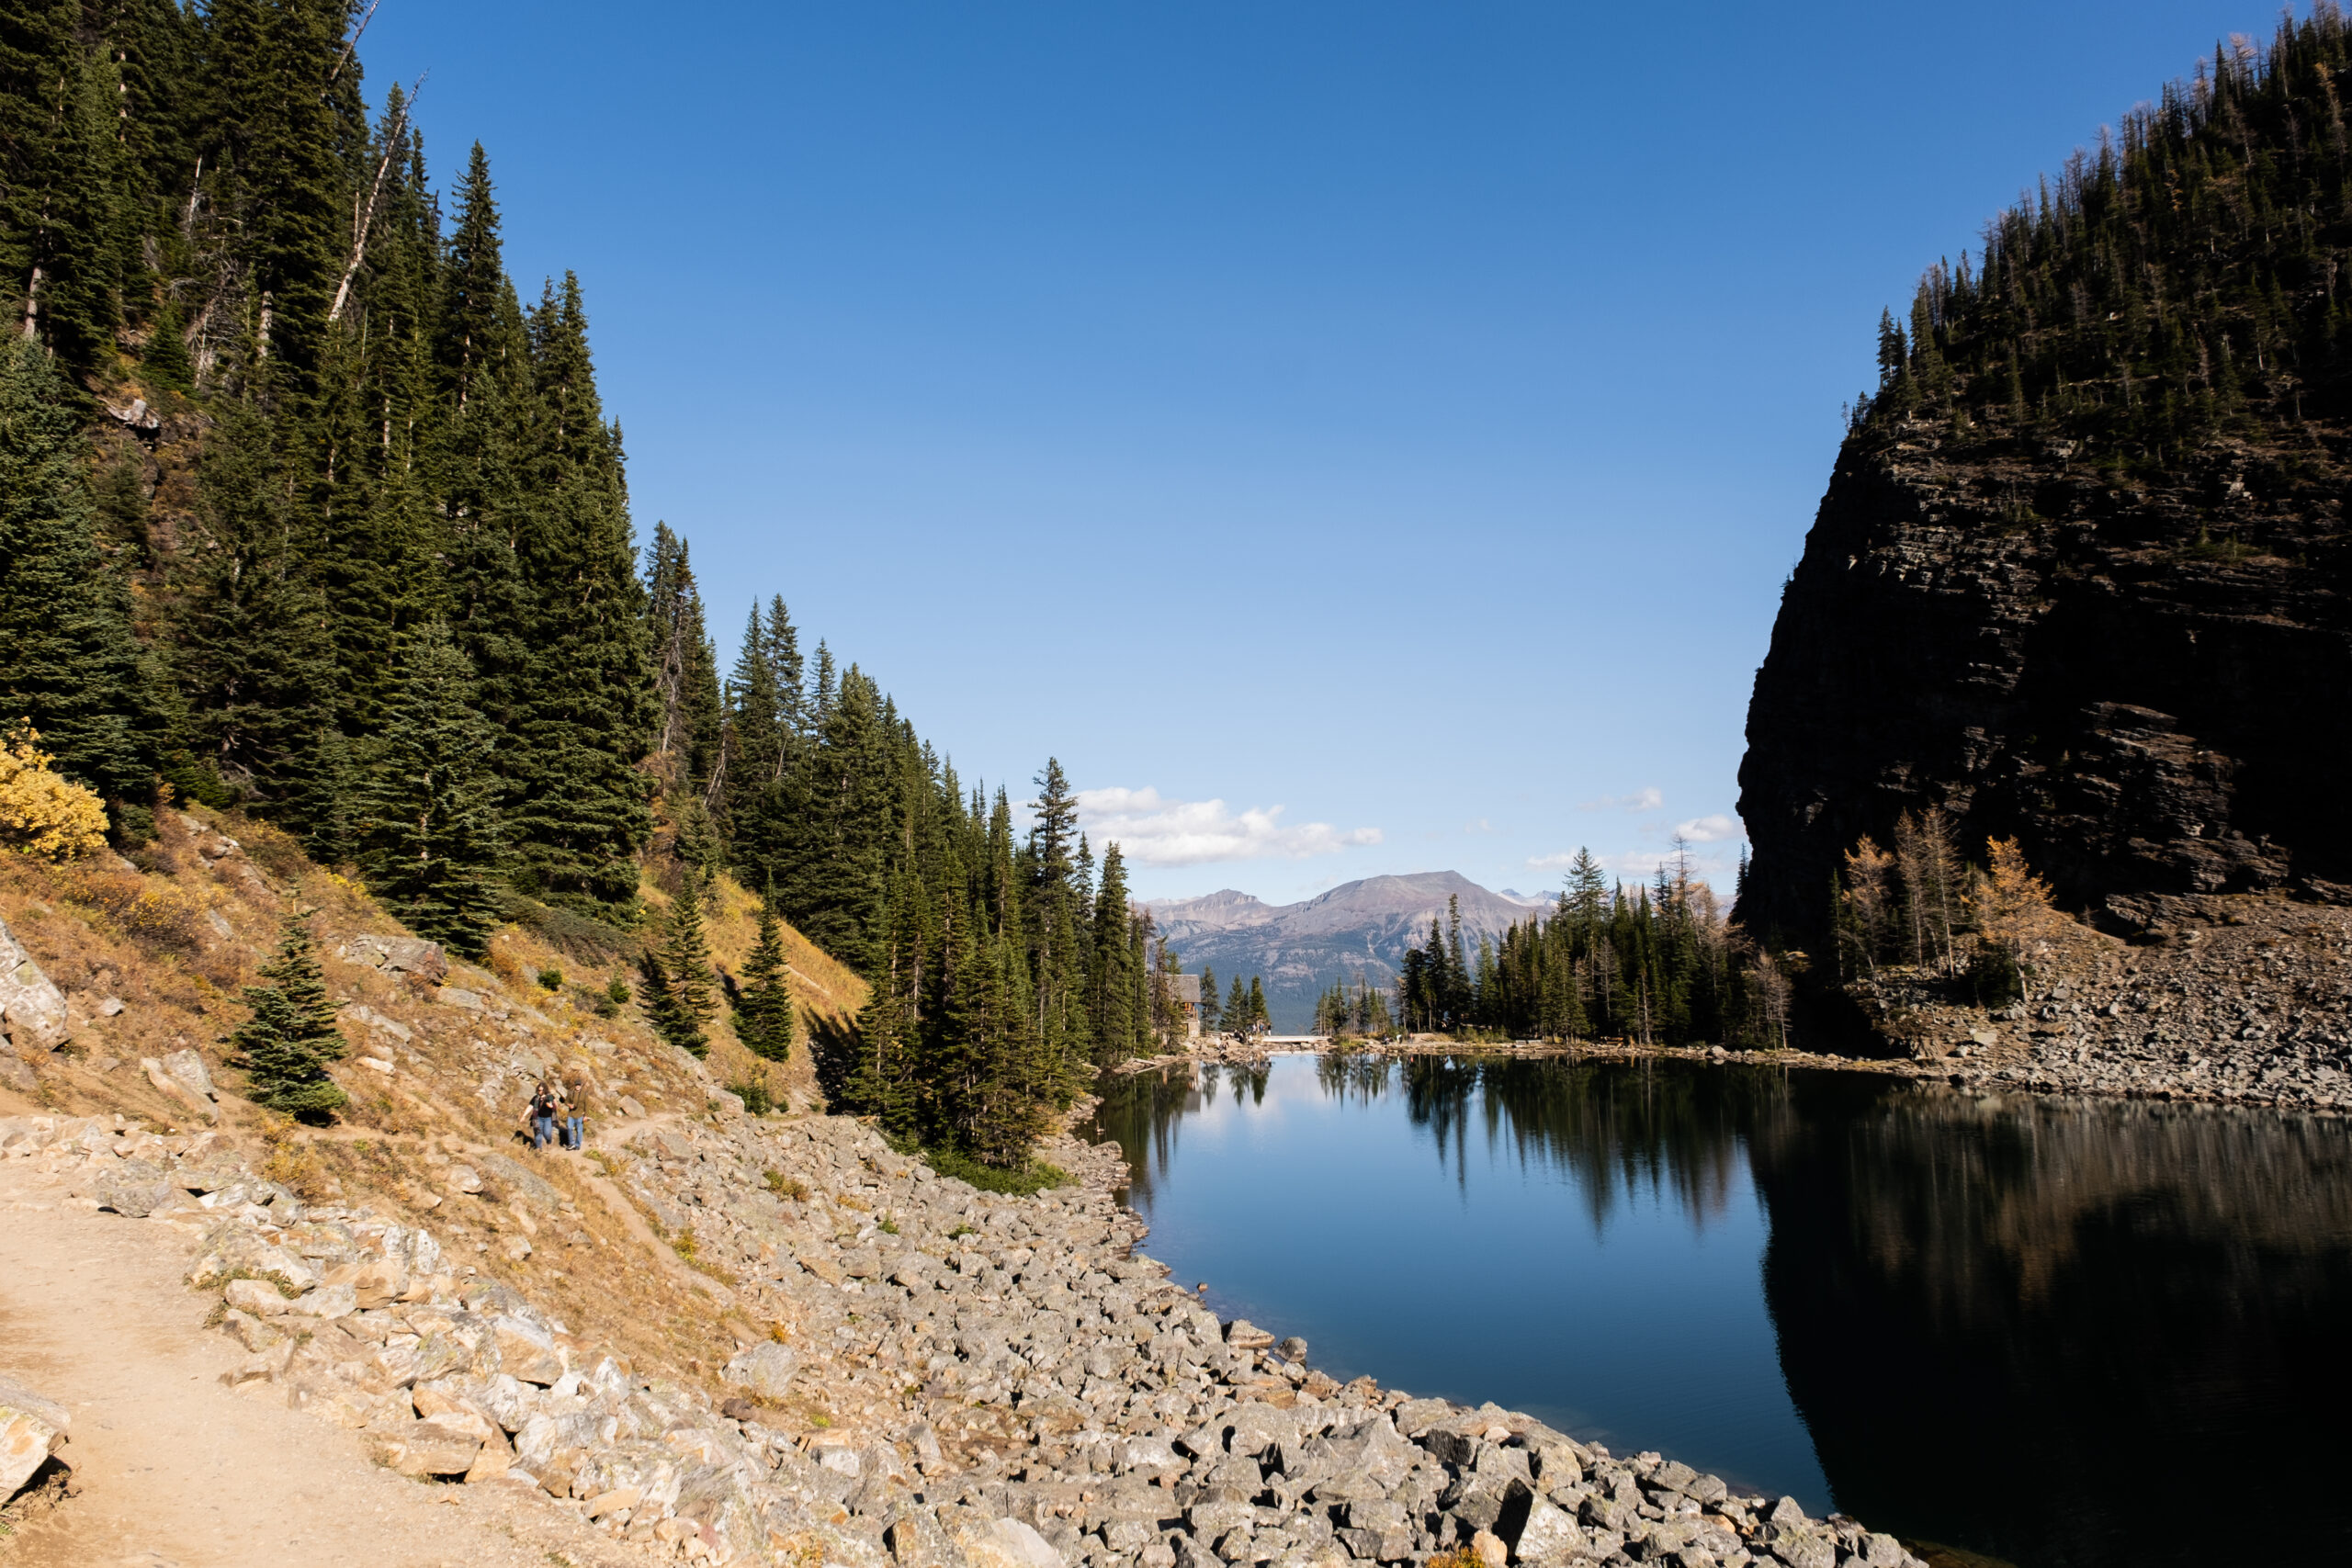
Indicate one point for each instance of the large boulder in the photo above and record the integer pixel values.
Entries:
(916, 1540)
(158, 1073)
(1548, 1537)
(32, 1009)
(766, 1369)
(1008, 1543)
(423, 1448)
(32, 1429)
(135, 1188)
(398, 956)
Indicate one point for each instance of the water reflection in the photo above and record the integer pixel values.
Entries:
(2018, 1324)
(2012, 1326)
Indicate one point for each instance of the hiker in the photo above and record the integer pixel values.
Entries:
(543, 1116)
(575, 1125)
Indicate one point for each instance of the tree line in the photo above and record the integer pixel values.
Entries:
(1658, 964)
(306, 510)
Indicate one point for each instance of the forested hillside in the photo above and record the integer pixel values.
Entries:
(306, 509)
(2078, 578)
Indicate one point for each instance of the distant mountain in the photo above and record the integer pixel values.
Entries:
(1298, 950)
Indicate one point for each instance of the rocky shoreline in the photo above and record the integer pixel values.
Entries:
(951, 1379)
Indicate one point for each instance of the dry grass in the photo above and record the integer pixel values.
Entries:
(150, 936)
(824, 992)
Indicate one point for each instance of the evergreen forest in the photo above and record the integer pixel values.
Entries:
(2185, 281)
(1657, 965)
(306, 509)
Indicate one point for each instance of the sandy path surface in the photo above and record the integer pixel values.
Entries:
(174, 1468)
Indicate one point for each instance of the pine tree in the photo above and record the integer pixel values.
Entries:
(1212, 1007)
(686, 669)
(67, 659)
(249, 647)
(428, 826)
(287, 1044)
(764, 1019)
(576, 806)
(1111, 976)
(1257, 1004)
(678, 980)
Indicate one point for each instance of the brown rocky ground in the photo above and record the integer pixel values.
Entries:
(2236, 999)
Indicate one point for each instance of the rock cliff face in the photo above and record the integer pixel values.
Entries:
(2141, 675)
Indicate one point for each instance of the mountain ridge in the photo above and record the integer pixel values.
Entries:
(1359, 927)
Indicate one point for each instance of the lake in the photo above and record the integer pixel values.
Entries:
(2053, 1332)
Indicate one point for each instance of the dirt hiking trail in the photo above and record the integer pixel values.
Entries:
(175, 1470)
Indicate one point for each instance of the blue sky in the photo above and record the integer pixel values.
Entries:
(1353, 437)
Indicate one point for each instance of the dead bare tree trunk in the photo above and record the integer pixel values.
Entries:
(363, 217)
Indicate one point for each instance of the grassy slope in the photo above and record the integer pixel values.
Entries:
(175, 936)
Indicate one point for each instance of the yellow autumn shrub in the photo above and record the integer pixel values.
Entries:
(42, 813)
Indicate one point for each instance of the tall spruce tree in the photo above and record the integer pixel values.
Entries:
(678, 979)
(764, 1017)
(576, 806)
(67, 661)
(250, 648)
(686, 669)
(429, 828)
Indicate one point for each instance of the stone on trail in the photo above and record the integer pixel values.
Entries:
(135, 1190)
(258, 1297)
(326, 1302)
(233, 1252)
(422, 1448)
(766, 1369)
(31, 1430)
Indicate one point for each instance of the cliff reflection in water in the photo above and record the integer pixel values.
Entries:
(2053, 1332)
(2062, 1332)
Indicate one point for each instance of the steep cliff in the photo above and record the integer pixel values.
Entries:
(2079, 575)
(2141, 675)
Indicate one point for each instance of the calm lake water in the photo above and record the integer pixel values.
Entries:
(2059, 1334)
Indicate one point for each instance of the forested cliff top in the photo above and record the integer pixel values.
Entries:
(2078, 576)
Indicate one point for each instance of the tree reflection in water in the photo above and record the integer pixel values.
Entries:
(2061, 1334)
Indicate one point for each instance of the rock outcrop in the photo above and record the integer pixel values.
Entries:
(2136, 673)
(32, 1009)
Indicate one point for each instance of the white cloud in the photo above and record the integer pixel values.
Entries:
(1552, 862)
(1649, 797)
(1153, 831)
(1710, 829)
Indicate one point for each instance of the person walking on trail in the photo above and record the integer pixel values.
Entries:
(575, 1125)
(542, 1117)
